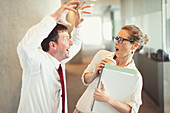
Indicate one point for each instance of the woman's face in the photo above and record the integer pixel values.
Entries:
(125, 48)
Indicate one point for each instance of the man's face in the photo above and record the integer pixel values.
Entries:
(64, 43)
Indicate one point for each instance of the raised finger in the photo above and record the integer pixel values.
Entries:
(87, 6)
(86, 12)
(81, 4)
(102, 85)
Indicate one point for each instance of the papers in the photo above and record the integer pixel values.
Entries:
(120, 84)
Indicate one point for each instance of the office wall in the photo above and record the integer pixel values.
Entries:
(17, 16)
(107, 30)
(147, 15)
(168, 27)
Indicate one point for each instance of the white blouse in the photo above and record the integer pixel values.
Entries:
(85, 102)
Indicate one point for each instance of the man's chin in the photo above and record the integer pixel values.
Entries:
(67, 55)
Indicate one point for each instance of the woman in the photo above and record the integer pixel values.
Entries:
(129, 41)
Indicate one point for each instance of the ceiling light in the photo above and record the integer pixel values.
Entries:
(93, 0)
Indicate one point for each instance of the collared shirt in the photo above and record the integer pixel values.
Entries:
(41, 87)
(86, 100)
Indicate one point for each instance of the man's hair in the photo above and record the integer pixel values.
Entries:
(53, 36)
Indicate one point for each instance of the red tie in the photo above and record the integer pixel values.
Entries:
(60, 72)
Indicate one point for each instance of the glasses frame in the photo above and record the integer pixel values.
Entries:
(120, 40)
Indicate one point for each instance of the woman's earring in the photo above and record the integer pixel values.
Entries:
(132, 52)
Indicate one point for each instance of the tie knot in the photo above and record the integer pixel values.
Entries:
(59, 69)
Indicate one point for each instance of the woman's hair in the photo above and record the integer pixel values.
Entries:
(136, 35)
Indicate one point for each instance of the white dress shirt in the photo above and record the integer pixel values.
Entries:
(41, 88)
(85, 102)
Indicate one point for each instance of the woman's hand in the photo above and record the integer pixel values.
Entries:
(100, 95)
(99, 67)
(89, 77)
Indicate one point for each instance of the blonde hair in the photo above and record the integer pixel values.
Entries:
(136, 35)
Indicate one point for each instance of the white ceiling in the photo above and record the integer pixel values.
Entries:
(100, 5)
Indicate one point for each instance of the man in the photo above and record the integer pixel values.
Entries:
(43, 81)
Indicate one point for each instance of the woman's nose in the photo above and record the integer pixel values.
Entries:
(70, 42)
(116, 42)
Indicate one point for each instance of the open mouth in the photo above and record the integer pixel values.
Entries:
(67, 49)
(116, 49)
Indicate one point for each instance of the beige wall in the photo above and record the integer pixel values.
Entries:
(16, 17)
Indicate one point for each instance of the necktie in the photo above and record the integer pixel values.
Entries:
(60, 72)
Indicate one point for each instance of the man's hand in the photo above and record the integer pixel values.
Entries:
(60, 14)
(80, 11)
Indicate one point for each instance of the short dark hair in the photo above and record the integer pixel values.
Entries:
(53, 36)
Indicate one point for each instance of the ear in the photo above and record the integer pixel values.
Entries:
(53, 45)
(135, 46)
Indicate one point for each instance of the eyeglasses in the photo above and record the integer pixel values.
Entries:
(120, 40)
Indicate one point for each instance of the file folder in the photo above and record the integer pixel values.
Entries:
(120, 84)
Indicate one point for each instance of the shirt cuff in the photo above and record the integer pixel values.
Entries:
(80, 25)
(82, 78)
(76, 31)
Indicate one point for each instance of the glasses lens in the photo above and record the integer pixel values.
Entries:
(120, 40)
(115, 39)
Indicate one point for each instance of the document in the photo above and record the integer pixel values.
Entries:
(120, 84)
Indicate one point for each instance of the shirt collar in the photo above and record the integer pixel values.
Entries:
(54, 61)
